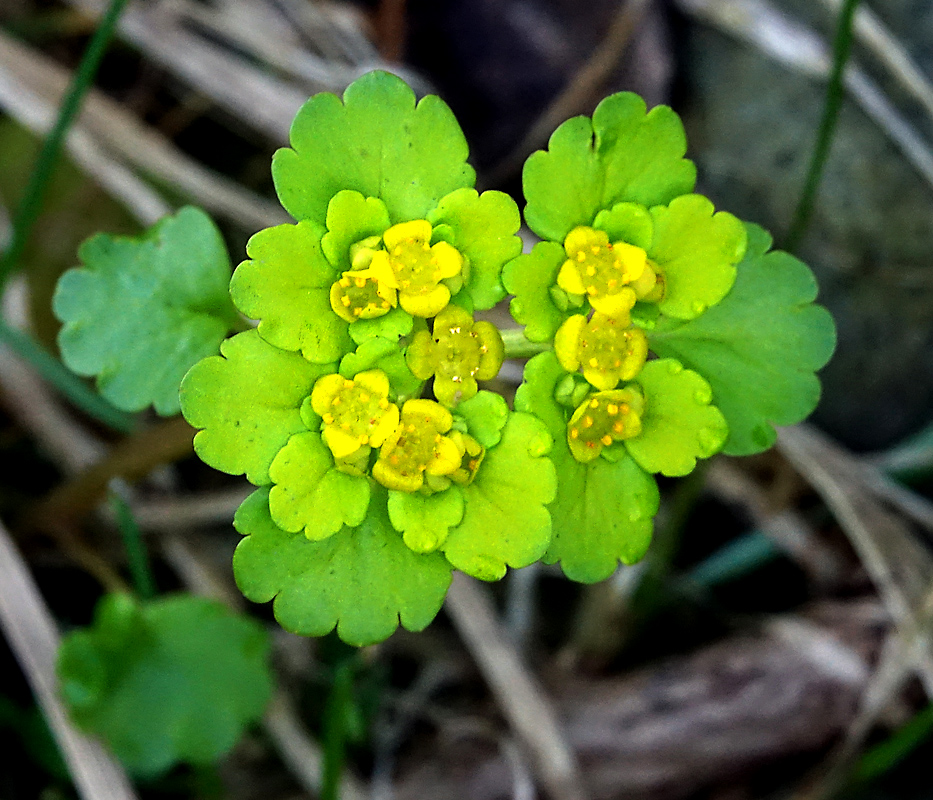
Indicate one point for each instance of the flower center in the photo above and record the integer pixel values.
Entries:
(418, 447)
(360, 295)
(355, 413)
(604, 418)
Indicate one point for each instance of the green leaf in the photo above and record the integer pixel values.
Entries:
(175, 679)
(530, 278)
(627, 222)
(286, 285)
(678, 424)
(697, 251)
(350, 219)
(759, 347)
(622, 155)
(505, 522)
(247, 403)
(424, 520)
(394, 325)
(363, 580)
(141, 311)
(376, 142)
(484, 227)
(310, 494)
(603, 512)
(379, 353)
(485, 414)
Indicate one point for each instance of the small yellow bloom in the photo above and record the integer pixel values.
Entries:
(416, 268)
(357, 413)
(604, 418)
(601, 271)
(605, 350)
(457, 353)
(418, 447)
(359, 294)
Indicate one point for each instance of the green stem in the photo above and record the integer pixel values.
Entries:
(66, 382)
(135, 549)
(517, 346)
(336, 712)
(31, 204)
(842, 45)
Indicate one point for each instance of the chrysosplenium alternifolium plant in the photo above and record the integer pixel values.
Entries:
(668, 333)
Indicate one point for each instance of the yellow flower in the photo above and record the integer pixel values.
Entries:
(604, 418)
(607, 351)
(359, 294)
(611, 276)
(418, 447)
(457, 353)
(416, 268)
(356, 413)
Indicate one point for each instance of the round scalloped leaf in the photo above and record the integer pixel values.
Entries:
(505, 521)
(379, 353)
(394, 325)
(697, 251)
(425, 519)
(603, 512)
(175, 679)
(622, 155)
(485, 414)
(312, 495)
(286, 285)
(759, 347)
(376, 142)
(363, 581)
(627, 222)
(484, 227)
(247, 401)
(531, 278)
(141, 311)
(350, 219)
(678, 424)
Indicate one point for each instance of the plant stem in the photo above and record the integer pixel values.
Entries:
(517, 346)
(135, 549)
(842, 45)
(66, 382)
(336, 712)
(31, 203)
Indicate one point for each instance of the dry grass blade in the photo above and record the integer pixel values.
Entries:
(898, 564)
(785, 40)
(180, 513)
(37, 113)
(29, 74)
(786, 527)
(522, 701)
(32, 634)
(890, 53)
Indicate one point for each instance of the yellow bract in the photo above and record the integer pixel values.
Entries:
(606, 350)
(418, 448)
(357, 413)
(416, 268)
(604, 418)
(603, 272)
(359, 294)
